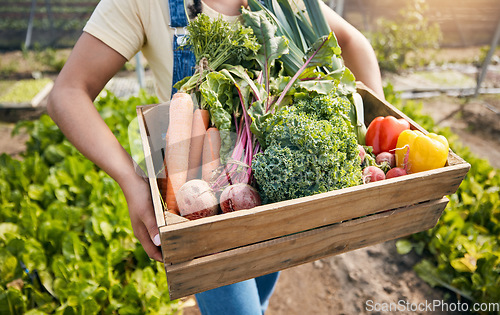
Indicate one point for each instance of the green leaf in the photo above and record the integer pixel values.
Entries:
(320, 26)
(8, 265)
(327, 52)
(8, 230)
(90, 306)
(291, 18)
(319, 86)
(36, 192)
(348, 83)
(404, 246)
(464, 264)
(272, 46)
(217, 91)
(12, 301)
(72, 246)
(33, 255)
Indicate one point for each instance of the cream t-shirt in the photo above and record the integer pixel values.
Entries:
(128, 26)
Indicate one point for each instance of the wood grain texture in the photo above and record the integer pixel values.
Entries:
(258, 259)
(210, 235)
(153, 185)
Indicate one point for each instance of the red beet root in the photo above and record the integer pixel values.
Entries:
(196, 200)
(239, 197)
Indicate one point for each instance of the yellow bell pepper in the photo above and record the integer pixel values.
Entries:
(427, 152)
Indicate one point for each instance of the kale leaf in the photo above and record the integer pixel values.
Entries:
(310, 148)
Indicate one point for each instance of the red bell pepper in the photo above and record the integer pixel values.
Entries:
(382, 133)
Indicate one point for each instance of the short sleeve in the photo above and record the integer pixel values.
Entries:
(119, 25)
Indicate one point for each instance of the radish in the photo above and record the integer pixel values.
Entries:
(395, 172)
(372, 174)
(362, 153)
(239, 197)
(196, 199)
(387, 158)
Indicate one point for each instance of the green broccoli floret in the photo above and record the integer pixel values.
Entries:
(310, 148)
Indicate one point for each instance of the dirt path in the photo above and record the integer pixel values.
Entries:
(352, 283)
(9, 144)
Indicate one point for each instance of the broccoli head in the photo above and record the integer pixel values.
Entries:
(310, 148)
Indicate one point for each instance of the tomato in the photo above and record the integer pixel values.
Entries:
(382, 133)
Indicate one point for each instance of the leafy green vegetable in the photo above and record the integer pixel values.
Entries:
(309, 148)
(23, 90)
(217, 90)
(313, 52)
(272, 46)
(216, 42)
(65, 218)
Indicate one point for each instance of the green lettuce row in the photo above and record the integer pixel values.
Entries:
(462, 252)
(68, 220)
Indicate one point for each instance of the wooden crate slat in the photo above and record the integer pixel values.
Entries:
(254, 260)
(155, 193)
(214, 234)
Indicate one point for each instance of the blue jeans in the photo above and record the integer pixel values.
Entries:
(249, 297)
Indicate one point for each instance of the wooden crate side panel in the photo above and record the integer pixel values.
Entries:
(153, 116)
(255, 260)
(156, 119)
(215, 234)
(374, 107)
(155, 193)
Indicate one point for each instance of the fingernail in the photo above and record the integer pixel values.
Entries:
(156, 240)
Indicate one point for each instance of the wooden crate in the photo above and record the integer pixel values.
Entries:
(210, 252)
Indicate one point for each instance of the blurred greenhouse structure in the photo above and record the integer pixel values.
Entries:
(58, 23)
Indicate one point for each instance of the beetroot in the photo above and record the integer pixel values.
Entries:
(239, 197)
(372, 174)
(395, 172)
(197, 200)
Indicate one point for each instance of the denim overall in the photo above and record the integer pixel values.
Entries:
(250, 297)
(184, 60)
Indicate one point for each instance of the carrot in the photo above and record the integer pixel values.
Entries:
(170, 198)
(161, 181)
(177, 149)
(168, 192)
(165, 185)
(199, 128)
(211, 153)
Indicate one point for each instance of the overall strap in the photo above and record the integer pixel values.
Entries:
(184, 61)
(178, 17)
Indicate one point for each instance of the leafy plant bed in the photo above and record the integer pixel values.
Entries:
(25, 93)
(67, 222)
(215, 251)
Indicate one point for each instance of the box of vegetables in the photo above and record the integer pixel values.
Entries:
(271, 155)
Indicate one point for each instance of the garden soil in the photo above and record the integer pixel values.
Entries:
(351, 283)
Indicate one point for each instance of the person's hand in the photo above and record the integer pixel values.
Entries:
(142, 216)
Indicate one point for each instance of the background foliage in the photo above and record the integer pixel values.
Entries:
(462, 252)
(400, 44)
(68, 220)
